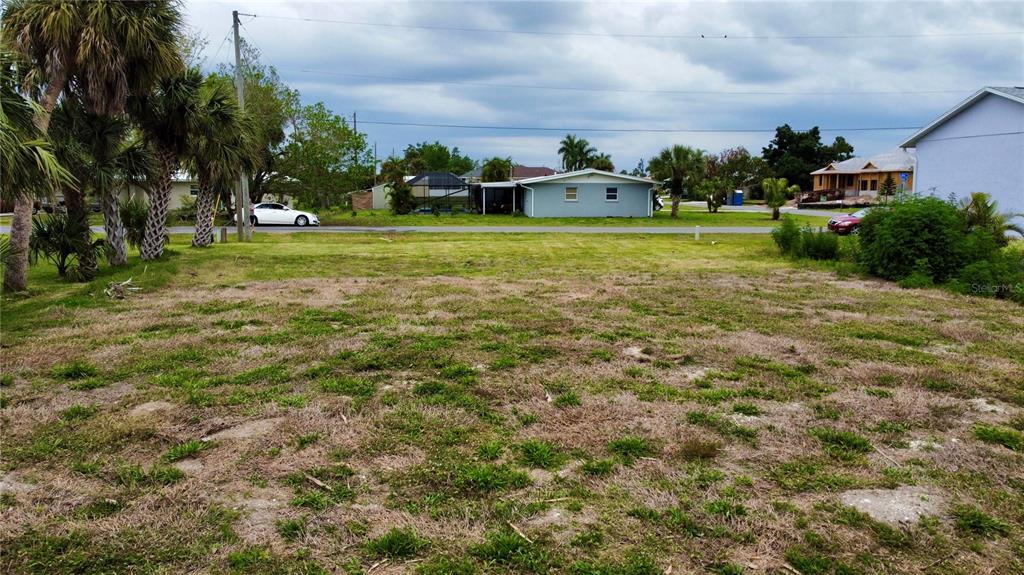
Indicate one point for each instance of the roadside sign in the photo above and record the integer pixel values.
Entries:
(904, 176)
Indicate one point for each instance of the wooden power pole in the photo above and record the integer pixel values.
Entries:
(242, 207)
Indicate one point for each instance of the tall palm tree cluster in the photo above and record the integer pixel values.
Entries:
(96, 97)
(578, 154)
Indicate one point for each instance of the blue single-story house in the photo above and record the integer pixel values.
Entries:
(583, 193)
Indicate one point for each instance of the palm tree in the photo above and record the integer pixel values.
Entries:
(980, 211)
(216, 151)
(576, 152)
(107, 157)
(601, 162)
(168, 116)
(776, 192)
(102, 51)
(496, 170)
(682, 167)
(28, 168)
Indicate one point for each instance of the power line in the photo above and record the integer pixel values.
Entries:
(690, 36)
(630, 130)
(632, 91)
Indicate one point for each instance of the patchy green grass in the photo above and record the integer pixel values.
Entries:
(449, 404)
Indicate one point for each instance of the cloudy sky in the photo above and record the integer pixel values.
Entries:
(628, 67)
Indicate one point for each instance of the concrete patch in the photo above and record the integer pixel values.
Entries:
(901, 506)
(11, 484)
(189, 466)
(987, 405)
(150, 408)
(636, 353)
(246, 430)
(923, 445)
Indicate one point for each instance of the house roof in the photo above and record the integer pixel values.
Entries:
(586, 172)
(437, 180)
(519, 172)
(1013, 93)
(895, 160)
(524, 172)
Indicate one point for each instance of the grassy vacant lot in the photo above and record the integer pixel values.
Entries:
(688, 216)
(515, 404)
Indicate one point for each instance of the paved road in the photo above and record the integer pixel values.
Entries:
(481, 229)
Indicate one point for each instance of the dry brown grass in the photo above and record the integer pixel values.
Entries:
(642, 352)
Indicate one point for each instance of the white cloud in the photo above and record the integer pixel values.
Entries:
(713, 64)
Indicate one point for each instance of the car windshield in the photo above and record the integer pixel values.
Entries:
(860, 213)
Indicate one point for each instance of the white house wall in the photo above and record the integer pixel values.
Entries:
(953, 160)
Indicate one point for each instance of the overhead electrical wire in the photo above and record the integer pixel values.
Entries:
(690, 36)
(629, 90)
(629, 130)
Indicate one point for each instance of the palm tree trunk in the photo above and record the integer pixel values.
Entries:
(675, 206)
(775, 213)
(16, 268)
(204, 215)
(159, 202)
(74, 202)
(114, 227)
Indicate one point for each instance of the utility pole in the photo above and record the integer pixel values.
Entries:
(242, 208)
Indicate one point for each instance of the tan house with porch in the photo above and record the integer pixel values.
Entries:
(858, 177)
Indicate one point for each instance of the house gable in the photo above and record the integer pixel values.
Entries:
(1010, 95)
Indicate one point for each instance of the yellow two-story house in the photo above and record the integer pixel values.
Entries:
(860, 177)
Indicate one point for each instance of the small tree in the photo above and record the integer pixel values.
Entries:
(715, 191)
(776, 192)
(888, 186)
(400, 195)
(980, 211)
(681, 169)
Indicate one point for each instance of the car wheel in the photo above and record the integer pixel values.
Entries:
(855, 231)
(302, 221)
(254, 221)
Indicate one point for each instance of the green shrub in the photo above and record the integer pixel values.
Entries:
(64, 240)
(818, 245)
(916, 280)
(133, 215)
(923, 234)
(1000, 276)
(787, 235)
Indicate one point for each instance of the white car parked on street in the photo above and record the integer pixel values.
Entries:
(270, 213)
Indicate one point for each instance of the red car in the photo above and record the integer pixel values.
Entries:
(847, 223)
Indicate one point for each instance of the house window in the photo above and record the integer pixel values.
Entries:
(863, 185)
(874, 184)
(570, 195)
(611, 194)
(849, 180)
(193, 190)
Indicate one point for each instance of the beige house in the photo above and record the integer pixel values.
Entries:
(862, 177)
(183, 186)
(185, 189)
